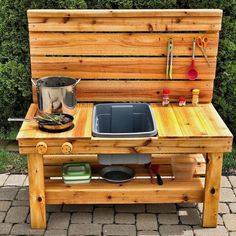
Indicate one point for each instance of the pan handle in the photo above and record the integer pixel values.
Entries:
(18, 119)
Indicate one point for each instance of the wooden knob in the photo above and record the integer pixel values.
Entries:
(66, 148)
(41, 147)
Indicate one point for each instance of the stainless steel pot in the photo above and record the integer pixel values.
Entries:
(56, 94)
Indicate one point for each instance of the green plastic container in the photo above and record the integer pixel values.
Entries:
(76, 172)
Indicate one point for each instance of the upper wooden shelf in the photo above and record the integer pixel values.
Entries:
(173, 121)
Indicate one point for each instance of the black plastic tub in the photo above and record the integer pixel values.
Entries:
(123, 120)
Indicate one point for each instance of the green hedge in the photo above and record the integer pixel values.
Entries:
(15, 86)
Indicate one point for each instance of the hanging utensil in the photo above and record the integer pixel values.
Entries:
(156, 169)
(202, 44)
(193, 73)
(169, 63)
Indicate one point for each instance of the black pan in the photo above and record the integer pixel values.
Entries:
(47, 126)
(117, 174)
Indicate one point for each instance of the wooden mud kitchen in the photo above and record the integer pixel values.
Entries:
(138, 56)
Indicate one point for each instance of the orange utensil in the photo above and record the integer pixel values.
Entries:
(193, 73)
(202, 44)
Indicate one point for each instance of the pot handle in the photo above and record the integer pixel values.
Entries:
(76, 82)
(33, 82)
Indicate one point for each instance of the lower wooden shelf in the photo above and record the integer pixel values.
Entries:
(136, 191)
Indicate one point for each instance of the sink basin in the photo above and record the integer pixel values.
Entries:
(123, 120)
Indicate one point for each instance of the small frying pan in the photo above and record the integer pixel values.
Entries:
(48, 126)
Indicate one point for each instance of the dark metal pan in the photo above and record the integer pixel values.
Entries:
(48, 126)
(117, 174)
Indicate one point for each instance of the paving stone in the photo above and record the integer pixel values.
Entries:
(56, 232)
(146, 222)
(187, 204)
(17, 214)
(232, 180)
(169, 219)
(85, 229)
(220, 220)
(225, 182)
(219, 231)
(53, 208)
(104, 205)
(8, 193)
(2, 216)
(167, 230)
(227, 195)
(148, 233)
(189, 216)
(59, 220)
(103, 215)
(223, 208)
(26, 182)
(81, 217)
(15, 180)
(20, 203)
(200, 206)
(3, 178)
(23, 194)
(232, 234)
(5, 228)
(130, 208)
(25, 229)
(4, 205)
(125, 218)
(78, 208)
(161, 208)
(121, 230)
(232, 207)
(230, 221)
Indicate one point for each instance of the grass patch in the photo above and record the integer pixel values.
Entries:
(12, 162)
(229, 164)
(10, 135)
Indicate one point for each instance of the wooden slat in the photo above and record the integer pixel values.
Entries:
(122, 44)
(141, 91)
(135, 191)
(82, 122)
(119, 67)
(123, 13)
(126, 21)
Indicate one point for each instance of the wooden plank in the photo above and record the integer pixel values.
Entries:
(188, 121)
(92, 159)
(172, 21)
(134, 150)
(36, 191)
(141, 91)
(82, 123)
(119, 67)
(123, 13)
(212, 189)
(135, 191)
(118, 44)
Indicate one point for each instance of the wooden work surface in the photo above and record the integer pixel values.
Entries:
(172, 122)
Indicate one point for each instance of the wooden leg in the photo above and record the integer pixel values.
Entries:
(36, 191)
(212, 189)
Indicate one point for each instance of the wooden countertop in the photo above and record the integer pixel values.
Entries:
(172, 122)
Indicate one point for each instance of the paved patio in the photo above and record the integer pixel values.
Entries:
(149, 219)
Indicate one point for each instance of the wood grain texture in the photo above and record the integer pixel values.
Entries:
(212, 189)
(36, 191)
(135, 191)
(147, 68)
(118, 44)
(114, 91)
(182, 20)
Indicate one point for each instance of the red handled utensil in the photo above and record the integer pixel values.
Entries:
(156, 169)
(193, 73)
